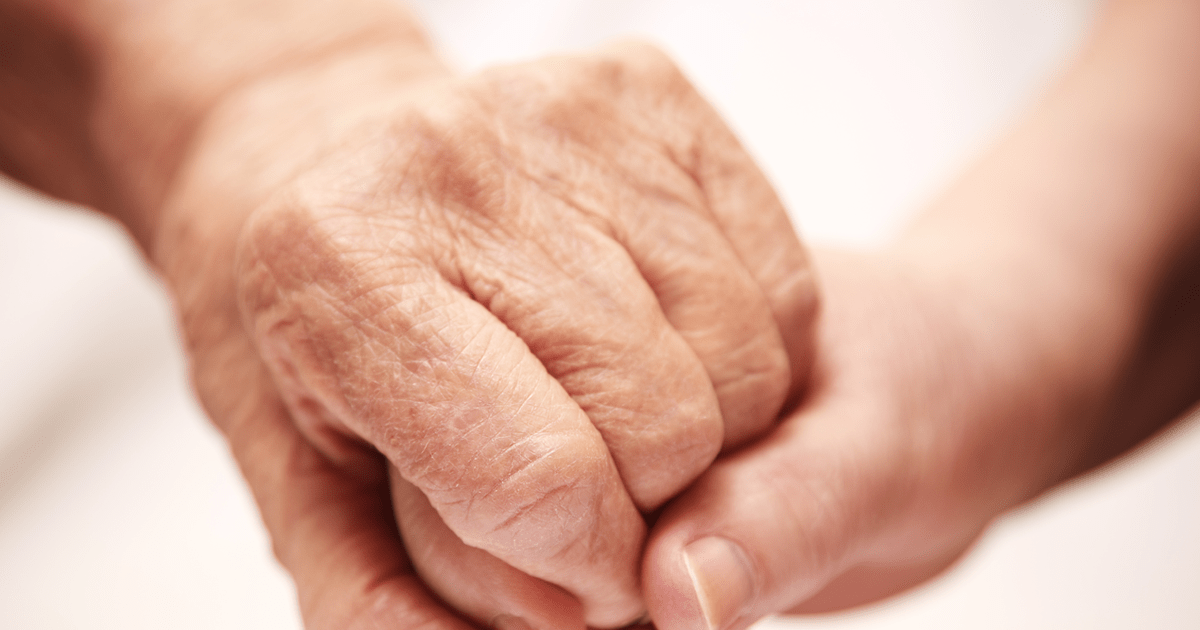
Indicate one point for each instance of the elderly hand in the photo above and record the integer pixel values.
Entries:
(547, 294)
(544, 296)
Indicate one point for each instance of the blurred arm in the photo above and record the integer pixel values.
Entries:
(1040, 319)
(1086, 221)
(102, 97)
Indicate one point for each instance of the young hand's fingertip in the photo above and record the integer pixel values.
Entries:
(721, 578)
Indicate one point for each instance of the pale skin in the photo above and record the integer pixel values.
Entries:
(543, 298)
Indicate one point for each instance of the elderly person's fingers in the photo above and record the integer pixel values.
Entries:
(754, 230)
(519, 294)
(640, 155)
(336, 535)
(332, 527)
(455, 400)
(473, 581)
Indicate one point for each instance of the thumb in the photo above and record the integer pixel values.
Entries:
(775, 524)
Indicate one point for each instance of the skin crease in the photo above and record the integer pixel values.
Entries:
(1037, 321)
(461, 289)
(547, 294)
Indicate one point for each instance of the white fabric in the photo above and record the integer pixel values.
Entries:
(119, 507)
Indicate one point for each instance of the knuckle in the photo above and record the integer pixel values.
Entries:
(752, 382)
(652, 403)
(542, 506)
(648, 61)
(761, 365)
(268, 236)
(324, 302)
(663, 448)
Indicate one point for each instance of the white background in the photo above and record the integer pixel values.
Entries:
(119, 507)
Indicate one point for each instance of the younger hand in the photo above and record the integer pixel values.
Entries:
(942, 395)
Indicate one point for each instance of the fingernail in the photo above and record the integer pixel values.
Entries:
(508, 622)
(721, 578)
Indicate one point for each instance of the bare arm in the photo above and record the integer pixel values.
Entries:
(104, 97)
(1041, 318)
(1090, 216)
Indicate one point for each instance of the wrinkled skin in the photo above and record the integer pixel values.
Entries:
(548, 295)
(454, 308)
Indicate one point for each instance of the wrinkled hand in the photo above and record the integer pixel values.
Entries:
(547, 294)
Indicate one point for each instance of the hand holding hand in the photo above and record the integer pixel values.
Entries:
(548, 294)
(1039, 320)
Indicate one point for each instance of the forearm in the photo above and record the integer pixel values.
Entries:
(1079, 235)
(1106, 170)
(103, 98)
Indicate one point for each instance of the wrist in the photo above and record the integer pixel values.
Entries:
(161, 99)
(136, 83)
(250, 146)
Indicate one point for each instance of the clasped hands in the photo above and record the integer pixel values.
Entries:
(468, 335)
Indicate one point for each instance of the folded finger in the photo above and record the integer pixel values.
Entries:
(649, 163)
(455, 400)
(332, 530)
(769, 527)
(473, 581)
(741, 200)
